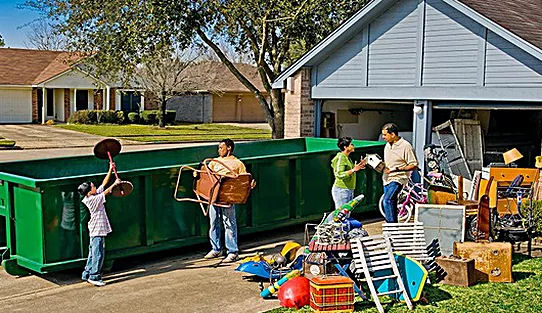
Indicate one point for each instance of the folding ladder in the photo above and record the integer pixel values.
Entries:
(372, 255)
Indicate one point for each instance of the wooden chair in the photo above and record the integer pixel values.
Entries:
(213, 188)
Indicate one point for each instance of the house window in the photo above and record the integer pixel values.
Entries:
(81, 99)
(130, 101)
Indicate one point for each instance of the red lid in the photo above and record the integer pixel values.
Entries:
(331, 280)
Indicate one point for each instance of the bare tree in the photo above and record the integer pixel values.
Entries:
(42, 35)
(171, 74)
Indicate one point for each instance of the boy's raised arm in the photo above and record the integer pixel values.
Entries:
(108, 176)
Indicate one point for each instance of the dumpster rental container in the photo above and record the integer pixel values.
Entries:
(43, 224)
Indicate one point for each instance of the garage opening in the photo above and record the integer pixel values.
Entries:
(501, 130)
(364, 120)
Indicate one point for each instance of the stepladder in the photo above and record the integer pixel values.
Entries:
(375, 263)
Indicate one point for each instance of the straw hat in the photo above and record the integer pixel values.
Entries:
(511, 156)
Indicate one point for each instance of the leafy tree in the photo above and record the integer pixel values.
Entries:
(2, 43)
(275, 32)
(119, 34)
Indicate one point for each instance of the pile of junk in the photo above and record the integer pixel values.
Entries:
(338, 262)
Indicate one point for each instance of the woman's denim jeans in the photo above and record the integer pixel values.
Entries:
(341, 196)
(227, 215)
(95, 261)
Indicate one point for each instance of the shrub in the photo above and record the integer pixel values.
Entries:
(92, 117)
(119, 117)
(170, 116)
(133, 117)
(106, 116)
(79, 117)
(150, 117)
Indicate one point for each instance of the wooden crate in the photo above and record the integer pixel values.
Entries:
(332, 294)
(492, 260)
(459, 271)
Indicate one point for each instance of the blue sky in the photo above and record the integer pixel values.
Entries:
(11, 21)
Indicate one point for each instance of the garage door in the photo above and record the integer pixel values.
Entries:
(15, 106)
(224, 108)
(251, 110)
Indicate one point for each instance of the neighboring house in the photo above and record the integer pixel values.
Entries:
(37, 85)
(219, 95)
(418, 63)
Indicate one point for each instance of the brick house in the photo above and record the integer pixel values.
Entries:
(419, 63)
(37, 85)
(219, 95)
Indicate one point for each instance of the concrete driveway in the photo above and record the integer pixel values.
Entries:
(177, 281)
(30, 136)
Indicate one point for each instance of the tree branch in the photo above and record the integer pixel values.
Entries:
(267, 109)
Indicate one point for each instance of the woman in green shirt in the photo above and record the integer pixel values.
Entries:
(344, 171)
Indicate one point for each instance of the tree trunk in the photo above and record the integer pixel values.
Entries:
(162, 117)
(277, 102)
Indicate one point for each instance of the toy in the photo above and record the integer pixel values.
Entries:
(295, 293)
(276, 286)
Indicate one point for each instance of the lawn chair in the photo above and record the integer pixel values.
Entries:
(213, 188)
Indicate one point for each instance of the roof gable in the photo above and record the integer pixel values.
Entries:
(492, 14)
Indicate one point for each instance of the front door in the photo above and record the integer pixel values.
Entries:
(81, 100)
(50, 102)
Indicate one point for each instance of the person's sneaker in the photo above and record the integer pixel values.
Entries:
(97, 283)
(212, 254)
(232, 257)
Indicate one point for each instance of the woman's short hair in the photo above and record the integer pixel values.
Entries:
(84, 188)
(344, 142)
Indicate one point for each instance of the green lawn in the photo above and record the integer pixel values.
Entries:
(524, 295)
(177, 133)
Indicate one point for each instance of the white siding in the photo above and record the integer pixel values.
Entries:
(507, 65)
(452, 47)
(72, 79)
(344, 67)
(15, 105)
(393, 46)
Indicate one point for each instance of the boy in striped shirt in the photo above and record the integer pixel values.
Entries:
(98, 226)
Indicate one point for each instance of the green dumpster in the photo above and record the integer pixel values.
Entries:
(43, 224)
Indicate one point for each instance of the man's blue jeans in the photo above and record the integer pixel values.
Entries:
(227, 215)
(95, 261)
(391, 191)
(341, 196)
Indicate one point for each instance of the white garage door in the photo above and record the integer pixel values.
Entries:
(15, 106)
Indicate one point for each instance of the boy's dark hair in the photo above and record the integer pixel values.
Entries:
(344, 142)
(391, 128)
(229, 143)
(84, 188)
